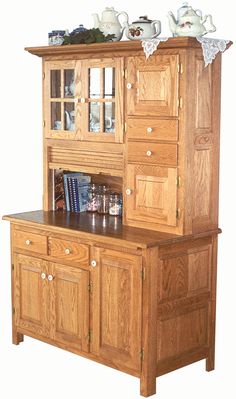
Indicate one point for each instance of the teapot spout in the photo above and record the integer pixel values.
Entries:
(96, 20)
(172, 22)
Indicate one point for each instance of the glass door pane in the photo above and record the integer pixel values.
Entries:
(109, 117)
(109, 82)
(55, 84)
(56, 116)
(69, 116)
(69, 83)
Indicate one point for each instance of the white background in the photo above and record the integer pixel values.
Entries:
(35, 369)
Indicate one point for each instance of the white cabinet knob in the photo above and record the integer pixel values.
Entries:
(149, 153)
(50, 277)
(149, 130)
(43, 276)
(93, 263)
(128, 191)
(67, 251)
(129, 86)
(82, 100)
(28, 242)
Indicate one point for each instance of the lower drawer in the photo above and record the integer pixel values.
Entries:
(152, 153)
(68, 250)
(30, 241)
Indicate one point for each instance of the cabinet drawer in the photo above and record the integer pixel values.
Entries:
(30, 241)
(152, 129)
(68, 250)
(152, 153)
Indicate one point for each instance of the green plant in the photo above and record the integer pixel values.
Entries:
(87, 37)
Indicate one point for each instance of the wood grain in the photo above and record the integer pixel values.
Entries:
(72, 252)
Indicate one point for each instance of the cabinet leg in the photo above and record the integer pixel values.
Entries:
(210, 361)
(17, 337)
(147, 386)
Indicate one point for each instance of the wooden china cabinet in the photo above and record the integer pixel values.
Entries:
(136, 293)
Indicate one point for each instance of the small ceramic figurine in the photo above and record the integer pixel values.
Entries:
(143, 28)
(109, 23)
(189, 22)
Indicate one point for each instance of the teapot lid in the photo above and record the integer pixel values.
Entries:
(190, 13)
(143, 19)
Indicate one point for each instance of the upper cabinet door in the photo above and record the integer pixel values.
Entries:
(153, 85)
(60, 100)
(101, 102)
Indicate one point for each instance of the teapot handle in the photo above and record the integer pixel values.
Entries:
(212, 26)
(126, 20)
(158, 28)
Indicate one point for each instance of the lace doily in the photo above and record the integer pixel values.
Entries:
(211, 47)
(150, 45)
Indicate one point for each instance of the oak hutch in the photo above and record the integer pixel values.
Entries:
(136, 293)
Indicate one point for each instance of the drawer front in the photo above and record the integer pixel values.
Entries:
(152, 153)
(30, 241)
(152, 129)
(68, 250)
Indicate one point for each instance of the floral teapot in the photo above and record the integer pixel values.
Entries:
(109, 24)
(143, 28)
(190, 22)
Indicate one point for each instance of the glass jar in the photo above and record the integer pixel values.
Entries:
(92, 204)
(114, 204)
(103, 199)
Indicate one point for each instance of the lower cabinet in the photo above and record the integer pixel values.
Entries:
(117, 295)
(52, 300)
(97, 310)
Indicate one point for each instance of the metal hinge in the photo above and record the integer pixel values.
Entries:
(43, 75)
(178, 213)
(141, 354)
(90, 287)
(180, 68)
(178, 181)
(90, 336)
(125, 73)
(143, 274)
(180, 102)
(12, 267)
(13, 310)
(44, 123)
(125, 127)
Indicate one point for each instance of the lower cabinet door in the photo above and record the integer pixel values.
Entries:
(151, 194)
(116, 304)
(69, 306)
(30, 294)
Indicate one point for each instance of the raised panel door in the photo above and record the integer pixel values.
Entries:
(151, 194)
(117, 294)
(69, 306)
(153, 85)
(30, 294)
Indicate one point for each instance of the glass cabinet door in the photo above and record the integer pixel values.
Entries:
(59, 100)
(101, 102)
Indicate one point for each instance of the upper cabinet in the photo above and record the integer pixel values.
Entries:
(153, 85)
(83, 100)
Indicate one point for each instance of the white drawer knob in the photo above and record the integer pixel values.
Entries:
(67, 251)
(50, 277)
(82, 100)
(28, 242)
(149, 129)
(43, 276)
(129, 86)
(149, 153)
(128, 191)
(93, 263)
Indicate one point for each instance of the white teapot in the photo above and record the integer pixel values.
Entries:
(143, 28)
(190, 22)
(109, 23)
